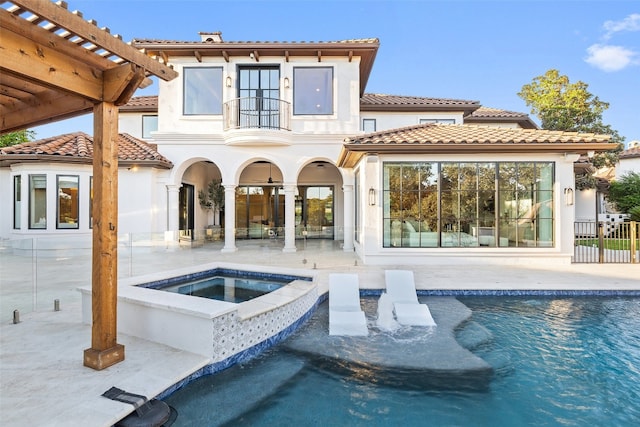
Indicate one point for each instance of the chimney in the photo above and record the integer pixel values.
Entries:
(211, 37)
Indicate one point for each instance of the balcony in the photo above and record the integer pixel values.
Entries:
(257, 113)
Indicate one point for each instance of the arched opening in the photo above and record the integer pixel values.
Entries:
(260, 202)
(318, 209)
(201, 202)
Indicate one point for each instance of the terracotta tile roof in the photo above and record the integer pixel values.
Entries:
(368, 40)
(461, 139)
(214, 46)
(487, 114)
(470, 134)
(630, 153)
(383, 102)
(78, 148)
(141, 103)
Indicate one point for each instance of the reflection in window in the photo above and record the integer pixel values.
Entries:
(313, 90)
(38, 201)
(67, 201)
(17, 200)
(202, 90)
(454, 204)
(149, 124)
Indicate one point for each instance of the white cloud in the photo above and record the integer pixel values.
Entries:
(630, 23)
(610, 58)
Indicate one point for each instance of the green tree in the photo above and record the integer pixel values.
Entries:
(13, 138)
(565, 106)
(625, 192)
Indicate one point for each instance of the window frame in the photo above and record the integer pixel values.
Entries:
(60, 225)
(508, 203)
(32, 224)
(17, 202)
(437, 121)
(147, 134)
(299, 94)
(186, 91)
(369, 121)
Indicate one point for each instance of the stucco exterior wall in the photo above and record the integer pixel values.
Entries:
(397, 120)
(141, 200)
(627, 165)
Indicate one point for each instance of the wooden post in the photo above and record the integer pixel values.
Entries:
(104, 351)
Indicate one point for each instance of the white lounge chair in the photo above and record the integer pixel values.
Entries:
(401, 288)
(345, 314)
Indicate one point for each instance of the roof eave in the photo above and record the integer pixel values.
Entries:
(466, 109)
(352, 153)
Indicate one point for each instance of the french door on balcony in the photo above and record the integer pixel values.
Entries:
(259, 93)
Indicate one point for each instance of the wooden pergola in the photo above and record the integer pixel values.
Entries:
(55, 65)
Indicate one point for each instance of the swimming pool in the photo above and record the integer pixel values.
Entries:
(557, 361)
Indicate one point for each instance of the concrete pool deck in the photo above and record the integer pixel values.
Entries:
(43, 381)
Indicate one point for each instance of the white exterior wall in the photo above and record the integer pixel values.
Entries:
(386, 121)
(627, 165)
(131, 123)
(344, 120)
(141, 200)
(586, 205)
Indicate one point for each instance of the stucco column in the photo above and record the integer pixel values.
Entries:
(173, 212)
(289, 218)
(347, 191)
(229, 218)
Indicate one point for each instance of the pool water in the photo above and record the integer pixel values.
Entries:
(234, 289)
(558, 361)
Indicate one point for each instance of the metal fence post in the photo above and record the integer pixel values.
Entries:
(600, 242)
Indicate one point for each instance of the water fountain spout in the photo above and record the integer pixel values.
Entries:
(385, 320)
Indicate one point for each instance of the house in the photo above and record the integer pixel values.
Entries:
(629, 160)
(302, 151)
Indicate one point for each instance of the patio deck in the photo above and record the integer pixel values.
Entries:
(43, 381)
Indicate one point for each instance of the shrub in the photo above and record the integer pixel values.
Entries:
(634, 213)
(625, 193)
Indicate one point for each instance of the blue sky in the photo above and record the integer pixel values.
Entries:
(473, 50)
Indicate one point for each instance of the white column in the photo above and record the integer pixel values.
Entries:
(229, 218)
(348, 217)
(173, 213)
(289, 218)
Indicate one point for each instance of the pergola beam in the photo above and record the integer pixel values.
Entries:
(90, 32)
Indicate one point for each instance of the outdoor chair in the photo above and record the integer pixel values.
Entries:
(401, 289)
(345, 314)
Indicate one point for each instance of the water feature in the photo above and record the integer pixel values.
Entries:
(385, 320)
(557, 361)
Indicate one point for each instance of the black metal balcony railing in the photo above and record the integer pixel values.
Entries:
(256, 113)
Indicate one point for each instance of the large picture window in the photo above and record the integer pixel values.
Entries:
(17, 201)
(202, 90)
(312, 90)
(468, 204)
(38, 201)
(67, 201)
